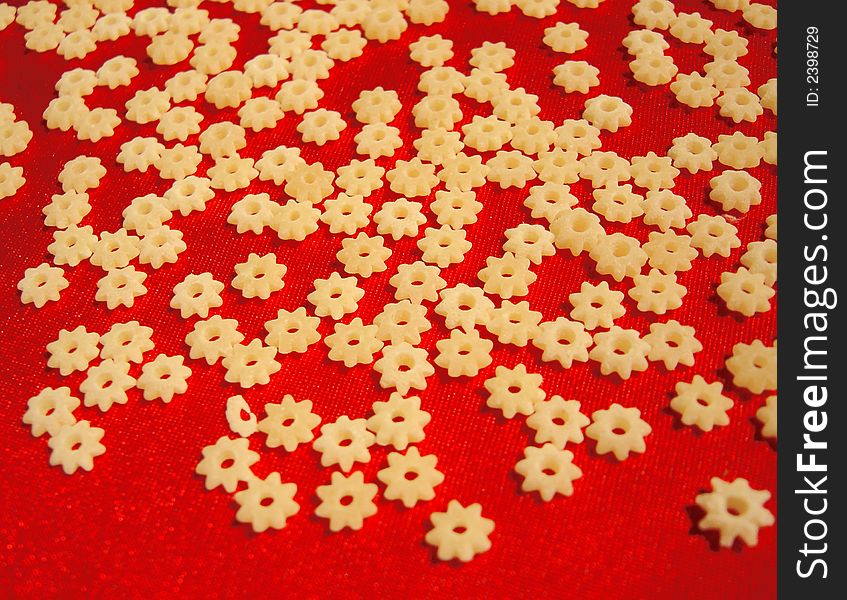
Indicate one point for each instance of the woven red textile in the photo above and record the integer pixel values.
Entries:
(141, 523)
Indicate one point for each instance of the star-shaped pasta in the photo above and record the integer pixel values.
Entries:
(259, 276)
(163, 378)
(288, 423)
(266, 503)
(735, 510)
(250, 364)
(75, 446)
(196, 294)
(460, 533)
(547, 470)
(346, 501)
(410, 478)
(514, 391)
(618, 430)
(701, 404)
(403, 367)
(226, 463)
(73, 350)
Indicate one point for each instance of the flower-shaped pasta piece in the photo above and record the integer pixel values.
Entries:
(259, 276)
(484, 85)
(672, 343)
(753, 366)
(228, 89)
(701, 404)
(745, 292)
(266, 503)
(735, 190)
(656, 292)
(617, 203)
(547, 470)
(577, 230)
(437, 111)
(604, 169)
(277, 164)
(760, 257)
(726, 74)
(645, 41)
(353, 343)
(485, 134)
(260, 113)
(81, 173)
(299, 95)
(460, 533)
(196, 294)
(607, 112)
(186, 85)
(253, 213)
(738, 151)
(464, 353)
(739, 104)
(213, 57)
(412, 178)
(73, 350)
(126, 342)
(618, 255)
(510, 168)
(767, 94)
(321, 126)
(344, 442)
(557, 421)
(226, 463)
(295, 220)
(514, 391)
(310, 183)
(360, 177)
(513, 323)
(410, 477)
(63, 112)
(399, 421)
(550, 200)
(653, 69)
(72, 245)
(117, 71)
(292, 331)
(576, 76)
(596, 305)
(431, 50)
(403, 367)
(77, 44)
(344, 44)
(121, 287)
(515, 105)
(14, 137)
(417, 282)
(363, 255)
(563, 341)
(694, 90)
(463, 172)
(377, 139)
(669, 251)
(346, 213)
(620, 351)
(50, 411)
(76, 446)
(178, 162)
(618, 430)
(145, 213)
(727, 45)
(692, 153)
(384, 22)
(213, 338)
(335, 296)
(713, 235)
(438, 145)
(507, 276)
(169, 48)
(768, 148)
(577, 135)
(443, 246)
(665, 209)
(565, 37)
(455, 208)
(250, 364)
(653, 14)
(288, 423)
(160, 245)
(347, 501)
(734, 509)
(402, 321)
(653, 172)
(766, 415)
(231, 173)
(266, 70)
(114, 250)
(376, 106)
(691, 28)
(533, 136)
(64, 210)
(492, 56)
(531, 241)
(163, 377)
(106, 384)
(140, 153)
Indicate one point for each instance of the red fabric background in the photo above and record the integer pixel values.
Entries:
(141, 522)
